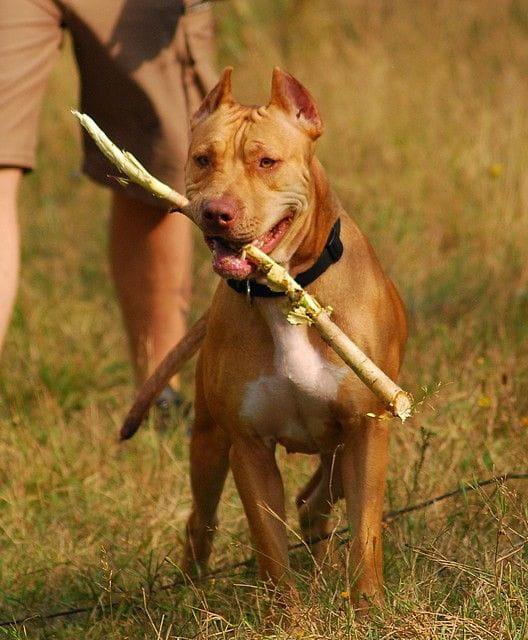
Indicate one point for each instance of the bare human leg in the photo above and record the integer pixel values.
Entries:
(10, 254)
(150, 258)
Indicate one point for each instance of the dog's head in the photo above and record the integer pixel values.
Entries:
(248, 172)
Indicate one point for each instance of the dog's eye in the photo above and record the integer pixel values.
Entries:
(202, 161)
(266, 163)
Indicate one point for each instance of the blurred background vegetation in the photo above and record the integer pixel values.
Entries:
(426, 113)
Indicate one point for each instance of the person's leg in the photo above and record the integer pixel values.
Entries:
(10, 253)
(30, 35)
(150, 257)
(131, 58)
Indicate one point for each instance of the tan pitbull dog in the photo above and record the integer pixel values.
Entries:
(252, 177)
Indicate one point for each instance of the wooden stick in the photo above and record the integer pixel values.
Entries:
(129, 164)
(304, 308)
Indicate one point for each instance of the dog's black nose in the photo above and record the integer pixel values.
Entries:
(220, 213)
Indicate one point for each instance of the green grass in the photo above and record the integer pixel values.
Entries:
(426, 112)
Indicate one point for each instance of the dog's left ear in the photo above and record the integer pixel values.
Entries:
(288, 94)
(219, 94)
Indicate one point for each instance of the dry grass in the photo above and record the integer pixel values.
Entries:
(426, 111)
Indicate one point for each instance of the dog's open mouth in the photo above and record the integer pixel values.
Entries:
(227, 259)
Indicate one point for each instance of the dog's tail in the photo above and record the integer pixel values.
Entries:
(171, 364)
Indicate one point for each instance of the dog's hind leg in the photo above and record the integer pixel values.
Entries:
(315, 502)
(209, 467)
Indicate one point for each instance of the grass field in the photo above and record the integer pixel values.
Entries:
(426, 142)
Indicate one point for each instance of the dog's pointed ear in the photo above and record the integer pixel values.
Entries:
(288, 94)
(219, 94)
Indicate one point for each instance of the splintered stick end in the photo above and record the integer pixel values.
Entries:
(402, 405)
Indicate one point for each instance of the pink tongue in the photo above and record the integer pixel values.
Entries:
(228, 264)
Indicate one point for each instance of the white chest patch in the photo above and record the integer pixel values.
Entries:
(292, 403)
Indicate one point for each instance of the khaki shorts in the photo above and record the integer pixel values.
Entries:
(144, 66)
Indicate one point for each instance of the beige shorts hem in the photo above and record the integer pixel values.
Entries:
(20, 161)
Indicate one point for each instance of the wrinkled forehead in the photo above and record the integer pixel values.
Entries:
(242, 128)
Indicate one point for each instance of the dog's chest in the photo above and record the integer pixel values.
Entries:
(292, 405)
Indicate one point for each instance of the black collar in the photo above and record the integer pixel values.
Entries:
(331, 253)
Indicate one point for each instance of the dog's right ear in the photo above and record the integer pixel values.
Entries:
(288, 94)
(220, 94)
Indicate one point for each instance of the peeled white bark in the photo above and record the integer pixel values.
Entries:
(129, 164)
(304, 308)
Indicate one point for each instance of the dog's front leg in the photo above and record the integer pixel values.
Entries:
(209, 467)
(363, 469)
(259, 484)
